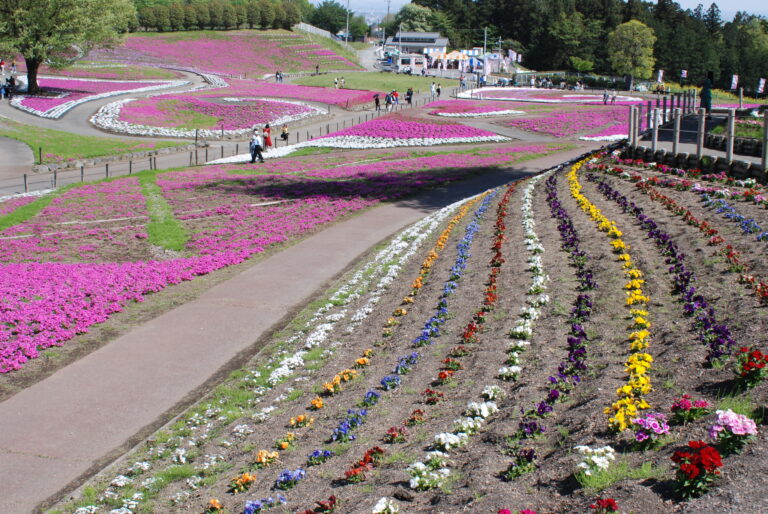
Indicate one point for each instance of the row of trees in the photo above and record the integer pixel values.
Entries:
(574, 34)
(219, 14)
(163, 15)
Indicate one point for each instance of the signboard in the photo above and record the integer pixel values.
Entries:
(734, 82)
(761, 86)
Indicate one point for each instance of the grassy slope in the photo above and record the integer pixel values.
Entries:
(59, 146)
(379, 81)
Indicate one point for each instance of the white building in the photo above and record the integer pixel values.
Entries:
(418, 42)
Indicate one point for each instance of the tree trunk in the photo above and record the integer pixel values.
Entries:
(32, 67)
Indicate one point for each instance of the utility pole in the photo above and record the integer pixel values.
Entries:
(346, 34)
(485, 51)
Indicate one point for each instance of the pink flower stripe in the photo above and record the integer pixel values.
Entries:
(567, 124)
(393, 128)
(70, 92)
(546, 96)
(173, 111)
(236, 53)
(230, 217)
(10, 205)
(466, 107)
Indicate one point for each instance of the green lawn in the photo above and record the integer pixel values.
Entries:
(378, 81)
(59, 146)
(742, 131)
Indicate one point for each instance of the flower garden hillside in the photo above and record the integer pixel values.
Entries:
(566, 342)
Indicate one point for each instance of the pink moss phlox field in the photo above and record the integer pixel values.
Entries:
(567, 124)
(547, 96)
(230, 216)
(170, 111)
(10, 205)
(74, 89)
(466, 107)
(235, 53)
(393, 128)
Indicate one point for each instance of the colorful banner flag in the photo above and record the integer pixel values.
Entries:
(761, 86)
(519, 57)
(683, 74)
(734, 82)
(660, 77)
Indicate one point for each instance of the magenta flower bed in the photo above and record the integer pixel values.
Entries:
(466, 107)
(75, 89)
(230, 217)
(10, 205)
(340, 97)
(567, 124)
(550, 95)
(236, 53)
(171, 111)
(392, 128)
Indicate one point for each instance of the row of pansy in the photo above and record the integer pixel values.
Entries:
(729, 212)
(435, 468)
(356, 417)
(469, 109)
(632, 394)
(716, 336)
(569, 371)
(77, 91)
(732, 257)
(387, 264)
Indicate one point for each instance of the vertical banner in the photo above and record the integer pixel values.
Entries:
(734, 82)
(761, 86)
(683, 74)
(660, 77)
(519, 57)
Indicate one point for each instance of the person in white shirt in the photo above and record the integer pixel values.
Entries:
(256, 146)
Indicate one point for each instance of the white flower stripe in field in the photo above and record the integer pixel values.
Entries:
(478, 94)
(506, 112)
(59, 110)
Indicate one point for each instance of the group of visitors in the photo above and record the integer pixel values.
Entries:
(12, 69)
(434, 91)
(261, 141)
(609, 97)
(391, 99)
(278, 76)
(338, 83)
(7, 84)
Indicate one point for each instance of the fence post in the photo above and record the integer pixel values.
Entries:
(765, 142)
(631, 124)
(55, 178)
(190, 158)
(82, 173)
(664, 110)
(701, 132)
(196, 131)
(648, 114)
(237, 149)
(222, 151)
(655, 139)
(106, 170)
(639, 122)
(206, 154)
(26, 188)
(731, 131)
(40, 154)
(130, 164)
(741, 98)
(676, 136)
(196, 159)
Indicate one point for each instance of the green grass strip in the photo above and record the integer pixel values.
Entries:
(163, 229)
(30, 210)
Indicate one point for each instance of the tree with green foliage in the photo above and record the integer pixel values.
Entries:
(329, 15)
(216, 11)
(162, 18)
(414, 18)
(242, 16)
(277, 22)
(176, 16)
(48, 30)
(292, 15)
(358, 27)
(253, 13)
(147, 17)
(267, 10)
(190, 17)
(630, 49)
(581, 65)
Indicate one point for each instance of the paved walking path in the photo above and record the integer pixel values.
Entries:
(15, 159)
(58, 432)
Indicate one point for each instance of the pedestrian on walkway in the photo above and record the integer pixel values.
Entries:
(13, 66)
(284, 132)
(317, 69)
(706, 93)
(409, 95)
(255, 147)
(437, 90)
(2, 67)
(388, 102)
(342, 82)
(336, 83)
(395, 97)
(267, 137)
(377, 102)
(432, 91)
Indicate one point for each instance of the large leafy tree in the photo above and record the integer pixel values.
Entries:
(630, 49)
(51, 31)
(329, 15)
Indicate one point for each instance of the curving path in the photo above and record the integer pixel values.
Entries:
(73, 423)
(15, 158)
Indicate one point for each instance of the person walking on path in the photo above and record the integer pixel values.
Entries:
(377, 102)
(342, 82)
(317, 69)
(336, 83)
(284, 132)
(432, 91)
(437, 90)
(396, 97)
(388, 102)
(255, 147)
(2, 67)
(13, 66)
(267, 137)
(409, 95)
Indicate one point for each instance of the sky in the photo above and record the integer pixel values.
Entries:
(727, 7)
